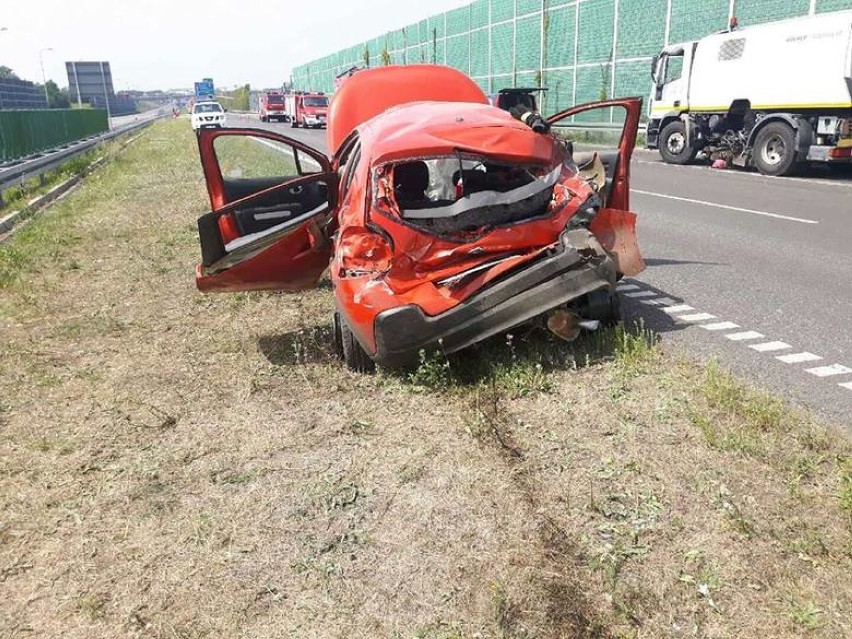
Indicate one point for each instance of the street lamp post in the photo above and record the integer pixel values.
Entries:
(43, 76)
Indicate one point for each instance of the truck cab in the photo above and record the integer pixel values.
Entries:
(669, 89)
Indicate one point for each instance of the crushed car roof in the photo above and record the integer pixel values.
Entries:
(425, 129)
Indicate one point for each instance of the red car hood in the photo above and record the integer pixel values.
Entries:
(440, 128)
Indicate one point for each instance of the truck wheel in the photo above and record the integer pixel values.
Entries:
(673, 145)
(354, 355)
(774, 150)
(294, 124)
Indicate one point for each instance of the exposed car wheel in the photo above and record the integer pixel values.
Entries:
(603, 306)
(354, 355)
(673, 144)
(774, 150)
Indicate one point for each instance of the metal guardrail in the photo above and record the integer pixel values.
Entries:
(13, 174)
(597, 126)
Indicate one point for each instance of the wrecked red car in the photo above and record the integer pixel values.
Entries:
(442, 220)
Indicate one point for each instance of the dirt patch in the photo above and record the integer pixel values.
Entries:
(181, 465)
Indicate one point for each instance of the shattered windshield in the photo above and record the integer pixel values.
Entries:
(455, 194)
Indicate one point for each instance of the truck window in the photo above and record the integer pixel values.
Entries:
(731, 49)
(674, 68)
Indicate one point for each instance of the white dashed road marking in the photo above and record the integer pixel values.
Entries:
(697, 317)
(767, 347)
(798, 358)
(680, 312)
(680, 308)
(726, 207)
(720, 326)
(828, 371)
(745, 335)
(660, 301)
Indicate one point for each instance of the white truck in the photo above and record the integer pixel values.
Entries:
(772, 96)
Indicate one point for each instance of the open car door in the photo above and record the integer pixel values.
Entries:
(272, 202)
(606, 166)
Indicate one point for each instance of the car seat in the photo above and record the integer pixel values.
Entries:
(410, 180)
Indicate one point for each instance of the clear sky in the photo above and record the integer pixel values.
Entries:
(163, 44)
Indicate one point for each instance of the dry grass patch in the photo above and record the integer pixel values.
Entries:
(180, 465)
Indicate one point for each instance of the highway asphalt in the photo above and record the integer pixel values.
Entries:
(123, 120)
(752, 270)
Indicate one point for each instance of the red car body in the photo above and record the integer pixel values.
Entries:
(423, 253)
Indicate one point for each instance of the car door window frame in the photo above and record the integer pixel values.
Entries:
(213, 244)
(212, 169)
(619, 194)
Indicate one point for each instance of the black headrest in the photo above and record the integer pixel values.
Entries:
(411, 178)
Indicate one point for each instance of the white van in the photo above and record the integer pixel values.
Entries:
(207, 115)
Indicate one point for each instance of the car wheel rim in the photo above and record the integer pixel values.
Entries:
(774, 150)
(676, 143)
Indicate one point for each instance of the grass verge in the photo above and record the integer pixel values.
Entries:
(180, 465)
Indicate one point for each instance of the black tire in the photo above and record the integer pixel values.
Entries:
(603, 306)
(337, 335)
(294, 124)
(774, 151)
(673, 145)
(354, 355)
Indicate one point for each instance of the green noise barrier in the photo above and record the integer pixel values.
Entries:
(582, 50)
(23, 133)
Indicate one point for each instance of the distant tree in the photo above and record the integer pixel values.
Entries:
(56, 98)
(606, 75)
(241, 98)
(365, 55)
(434, 46)
(7, 74)
(386, 56)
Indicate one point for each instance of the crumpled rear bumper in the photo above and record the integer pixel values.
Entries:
(580, 266)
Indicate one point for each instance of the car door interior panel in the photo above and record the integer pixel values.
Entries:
(271, 209)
